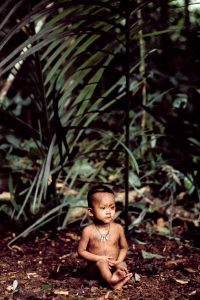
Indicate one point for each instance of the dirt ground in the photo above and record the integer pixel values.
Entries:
(45, 265)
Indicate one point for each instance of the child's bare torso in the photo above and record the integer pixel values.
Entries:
(107, 247)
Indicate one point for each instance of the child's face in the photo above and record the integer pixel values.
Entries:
(103, 208)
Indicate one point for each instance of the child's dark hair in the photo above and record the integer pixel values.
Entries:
(96, 189)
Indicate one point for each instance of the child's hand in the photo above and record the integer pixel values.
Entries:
(118, 264)
(111, 262)
(107, 258)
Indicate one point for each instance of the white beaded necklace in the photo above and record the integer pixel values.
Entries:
(103, 237)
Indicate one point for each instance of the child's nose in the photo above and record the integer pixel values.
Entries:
(108, 210)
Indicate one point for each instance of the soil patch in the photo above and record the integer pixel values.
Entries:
(45, 265)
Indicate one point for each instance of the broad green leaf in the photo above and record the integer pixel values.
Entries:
(134, 180)
(149, 255)
(188, 184)
(163, 230)
(13, 140)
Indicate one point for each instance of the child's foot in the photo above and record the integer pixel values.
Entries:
(118, 285)
(118, 275)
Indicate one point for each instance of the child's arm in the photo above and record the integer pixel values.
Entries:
(82, 247)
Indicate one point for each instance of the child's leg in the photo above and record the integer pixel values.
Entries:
(118, 278)
(118, 285)
(122, 266)
(104, 270)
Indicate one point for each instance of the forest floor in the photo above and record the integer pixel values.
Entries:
(45, 265)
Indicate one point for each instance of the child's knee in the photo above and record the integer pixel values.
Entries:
(101, 262)
(121, 265)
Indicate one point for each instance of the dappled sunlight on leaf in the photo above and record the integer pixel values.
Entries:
(6, 196)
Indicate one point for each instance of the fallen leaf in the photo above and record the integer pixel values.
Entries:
(46, 286)
(190, 270)
(163, 230)
(12, 274)
(107, 295)
(149, 255)
(73, 236)
(192, 293)
(32, 274)
(61, 292)
(64, 256)
(140, 242)
(94, 289)
(175, 261)
(15, 247)
(9, 288)
(15, 284)
(182, 281)
(137, 277)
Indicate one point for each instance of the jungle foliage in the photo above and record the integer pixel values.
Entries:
(96, 91)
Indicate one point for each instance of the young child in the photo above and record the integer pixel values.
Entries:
(103, 243)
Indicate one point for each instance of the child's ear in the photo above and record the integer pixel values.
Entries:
(90, 212)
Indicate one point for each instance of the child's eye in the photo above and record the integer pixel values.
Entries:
(102, 207)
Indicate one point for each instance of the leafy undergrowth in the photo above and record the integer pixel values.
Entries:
(45, 265)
